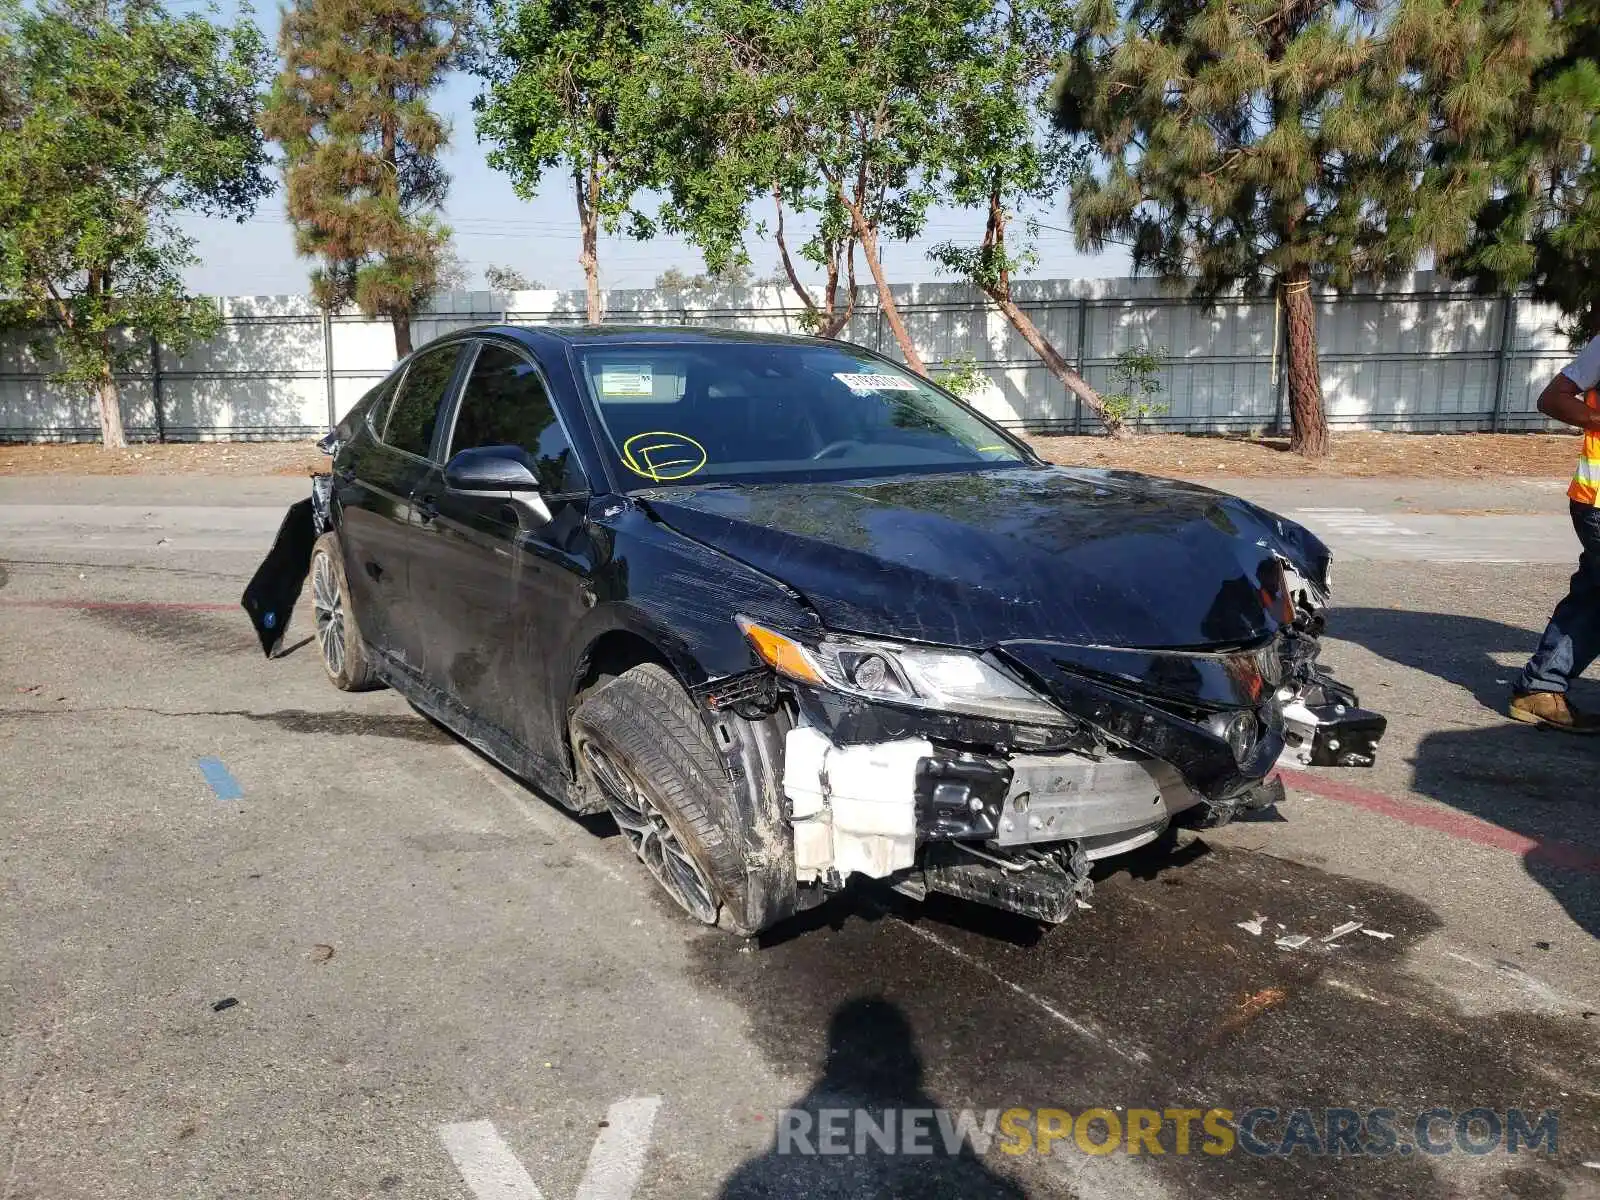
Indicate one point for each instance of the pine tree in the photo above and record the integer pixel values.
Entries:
(1282, 143)
(1542, 227)
(361, 148)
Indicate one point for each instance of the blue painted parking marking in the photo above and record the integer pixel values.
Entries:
(220, 779)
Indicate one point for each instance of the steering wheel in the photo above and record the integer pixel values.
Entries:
(832, 447)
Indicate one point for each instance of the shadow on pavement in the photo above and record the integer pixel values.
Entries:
(871, 1081)
(1537, 783)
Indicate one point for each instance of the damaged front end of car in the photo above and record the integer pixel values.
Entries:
(1001, 777)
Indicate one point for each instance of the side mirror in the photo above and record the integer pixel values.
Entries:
(491, 472)
(489, 469)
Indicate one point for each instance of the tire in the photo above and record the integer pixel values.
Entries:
(640, 742)
(344, 652)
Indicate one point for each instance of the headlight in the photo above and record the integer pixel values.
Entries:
(955, 681)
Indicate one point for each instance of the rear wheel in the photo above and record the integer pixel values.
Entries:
(641, 744)
(344, 653)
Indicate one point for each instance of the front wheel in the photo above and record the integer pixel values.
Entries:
(344, 653)
(641, 744)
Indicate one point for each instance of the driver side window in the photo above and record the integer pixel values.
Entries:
(505, 403)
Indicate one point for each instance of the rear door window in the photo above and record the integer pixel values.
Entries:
(505, 403)
(415, 411)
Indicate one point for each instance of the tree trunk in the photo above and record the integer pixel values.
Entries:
(1057, 365)
(588, 191)
(112, 435)
(997, 286)
(1309, 423)
(868, 237)
(813, 313)
(837, 320)
(402, 334)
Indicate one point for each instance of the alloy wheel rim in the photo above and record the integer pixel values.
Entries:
(328, 603)
(645, 826)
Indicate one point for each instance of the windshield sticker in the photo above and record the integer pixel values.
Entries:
(861, 385)
(627, 379)
(662, 456)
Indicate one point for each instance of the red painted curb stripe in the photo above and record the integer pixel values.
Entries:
(1453, 824)
(124, 605)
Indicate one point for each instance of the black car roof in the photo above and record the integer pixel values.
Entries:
(588, 335)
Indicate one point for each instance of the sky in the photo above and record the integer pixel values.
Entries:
(539, 237)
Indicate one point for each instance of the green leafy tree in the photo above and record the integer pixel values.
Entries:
(732, 275)
(1281, 143)
(1137, 376)
(509, 279)
(821, 104)
(361, 148)
(1542, 227)
(114, 118)
(568, 85)
(999, 152)
(961, 375)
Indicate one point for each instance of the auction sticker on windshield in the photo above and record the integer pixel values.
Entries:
(627, 379)
(861, 384)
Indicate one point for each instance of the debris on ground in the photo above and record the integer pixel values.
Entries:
(1253, 925)
(1377, 933)
(321, 952)
(1352, 454)
(1340, 931)
(1251, 1007)
(225, 1003)
(1293, 941)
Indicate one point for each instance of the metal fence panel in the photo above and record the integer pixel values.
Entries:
(1417, 354)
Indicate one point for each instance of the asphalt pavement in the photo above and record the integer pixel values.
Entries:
(262, 938)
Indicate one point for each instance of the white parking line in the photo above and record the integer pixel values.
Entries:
(1084, 1030)
(538, 813)
(616, 1163)
(617, 1160)
(487, 1166)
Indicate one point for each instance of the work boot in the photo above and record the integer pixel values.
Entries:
(1552, 709)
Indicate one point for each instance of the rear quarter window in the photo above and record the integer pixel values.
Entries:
(415, 411)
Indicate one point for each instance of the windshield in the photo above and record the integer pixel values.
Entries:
(706, 411)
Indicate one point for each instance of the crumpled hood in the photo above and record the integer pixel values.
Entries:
(1085, 557)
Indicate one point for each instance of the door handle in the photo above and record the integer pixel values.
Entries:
(427, 509)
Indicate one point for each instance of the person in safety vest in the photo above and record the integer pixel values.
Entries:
(1572, 639)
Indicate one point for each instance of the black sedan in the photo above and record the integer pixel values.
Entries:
(791, 614)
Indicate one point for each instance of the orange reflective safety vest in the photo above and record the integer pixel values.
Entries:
(1586, 482)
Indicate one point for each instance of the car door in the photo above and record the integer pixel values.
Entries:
(377, 529)
(500, 590)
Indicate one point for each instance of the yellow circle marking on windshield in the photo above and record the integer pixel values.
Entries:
(663, 456)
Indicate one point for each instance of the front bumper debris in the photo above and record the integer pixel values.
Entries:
(1006, 815)
(1330, 735)
(270, 596)
(1042, 885)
